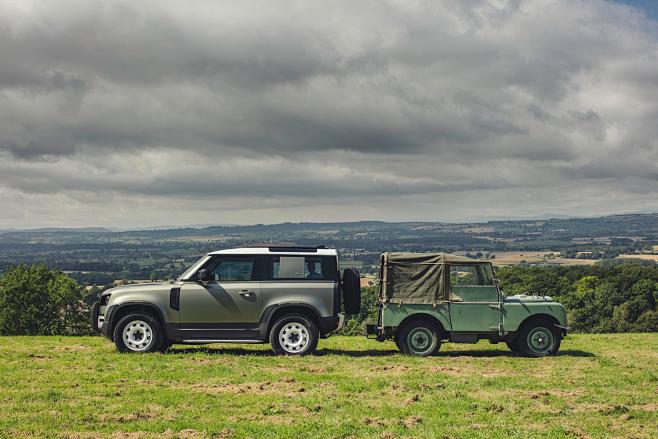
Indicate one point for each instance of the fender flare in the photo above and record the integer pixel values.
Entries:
(113, 311)
(266, 318)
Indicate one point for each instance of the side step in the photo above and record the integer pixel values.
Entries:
(221, 341)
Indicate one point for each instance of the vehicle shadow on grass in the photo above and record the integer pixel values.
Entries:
(469, 353)
(364, 353)
(506, 353)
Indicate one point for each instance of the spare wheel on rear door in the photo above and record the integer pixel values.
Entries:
(351, 291)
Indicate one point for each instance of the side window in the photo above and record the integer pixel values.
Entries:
(288, 267)
(302, 267)
(232, 268)
(462, 275)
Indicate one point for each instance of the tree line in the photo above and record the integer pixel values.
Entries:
(37, 300)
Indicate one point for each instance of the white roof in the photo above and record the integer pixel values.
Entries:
(266, 251)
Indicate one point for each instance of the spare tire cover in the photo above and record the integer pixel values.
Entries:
(351, 291)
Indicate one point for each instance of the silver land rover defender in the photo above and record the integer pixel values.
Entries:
(287, 296)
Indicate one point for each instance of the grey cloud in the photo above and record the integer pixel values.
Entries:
(323, 100)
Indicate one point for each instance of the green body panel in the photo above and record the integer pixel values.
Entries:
(474, 317)
(516, 309)
(394, 314)
(478, 317)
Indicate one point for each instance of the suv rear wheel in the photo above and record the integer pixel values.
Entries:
(294, 334)
(539, 338)
(138, 332)
(419, 337)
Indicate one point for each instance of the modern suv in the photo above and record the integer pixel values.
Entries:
(287, 296)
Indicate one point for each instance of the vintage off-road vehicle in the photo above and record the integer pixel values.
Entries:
(289, 296)
(426, 298)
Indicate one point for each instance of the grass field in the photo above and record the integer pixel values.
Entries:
(599, 386)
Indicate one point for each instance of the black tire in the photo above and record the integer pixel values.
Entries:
(421, 338)
(513, 344)
(138, 333)
(397, 343)
(164, 347)
(539, 338)
(301, 337)
(351, 291)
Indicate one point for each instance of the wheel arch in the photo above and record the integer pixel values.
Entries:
(274, 312)
(122, 310)
(426, 317)
(535, 317)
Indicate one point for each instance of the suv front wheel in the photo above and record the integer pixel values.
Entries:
(139, 333)
(294, 334)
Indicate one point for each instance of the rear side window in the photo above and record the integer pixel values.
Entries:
(301, 268)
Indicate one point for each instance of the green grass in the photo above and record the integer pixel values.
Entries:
(599, 386)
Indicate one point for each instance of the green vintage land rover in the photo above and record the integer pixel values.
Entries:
(426, 298)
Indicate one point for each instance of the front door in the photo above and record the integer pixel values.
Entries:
(227, 307)
(474, 305)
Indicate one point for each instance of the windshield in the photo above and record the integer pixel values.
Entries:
(193, 268)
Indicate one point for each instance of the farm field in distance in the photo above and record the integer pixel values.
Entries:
(80, 387)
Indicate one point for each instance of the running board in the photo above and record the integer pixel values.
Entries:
(222, 341)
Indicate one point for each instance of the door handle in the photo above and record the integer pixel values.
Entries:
(246, 293)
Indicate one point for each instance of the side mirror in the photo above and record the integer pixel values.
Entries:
(203, 275)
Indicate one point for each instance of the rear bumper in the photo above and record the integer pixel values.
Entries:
(331, 324)
(339, 326)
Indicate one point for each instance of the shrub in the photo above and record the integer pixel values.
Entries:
(35, 300)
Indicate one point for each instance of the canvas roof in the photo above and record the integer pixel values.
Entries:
(418, 277)
(429, 258)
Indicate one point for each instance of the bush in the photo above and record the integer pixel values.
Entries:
(35, 300)
(355, 325)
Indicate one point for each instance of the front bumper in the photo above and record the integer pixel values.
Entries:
(94, 317)
(104, 322)
(565, 330)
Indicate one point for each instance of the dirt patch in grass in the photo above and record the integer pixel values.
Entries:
(72, 348)
(394, 368)
(191, 433)
(151, 411)
(283, 387)
(279, 414)
(412, 421)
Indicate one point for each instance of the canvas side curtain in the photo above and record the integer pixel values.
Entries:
(413, 279)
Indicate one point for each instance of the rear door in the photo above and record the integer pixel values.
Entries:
(474, 305)
(227, 307)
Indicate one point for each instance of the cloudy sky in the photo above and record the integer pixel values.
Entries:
(149, 113)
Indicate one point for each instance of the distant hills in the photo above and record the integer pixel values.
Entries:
(631, 226)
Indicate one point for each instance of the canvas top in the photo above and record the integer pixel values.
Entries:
(420, 278)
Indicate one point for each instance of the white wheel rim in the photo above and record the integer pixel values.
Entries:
(293, 337)
(137, 335)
